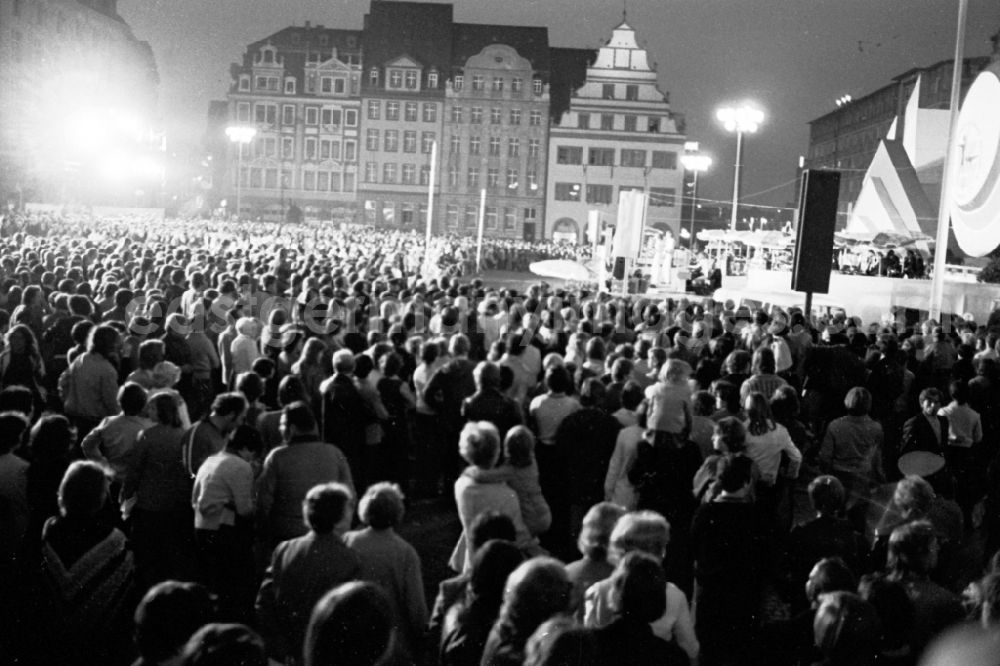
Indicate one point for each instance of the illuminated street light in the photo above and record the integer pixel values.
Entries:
(695, 162)
(741, 119)
(240, 135)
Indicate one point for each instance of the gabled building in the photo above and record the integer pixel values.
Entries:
(300, 88)
(618, 133)
(495, 130)
(407, 55)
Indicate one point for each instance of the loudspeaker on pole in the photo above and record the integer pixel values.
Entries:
(814, 239)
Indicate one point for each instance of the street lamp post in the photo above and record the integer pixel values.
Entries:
(695, 163)
(741, 119)
(240, 135)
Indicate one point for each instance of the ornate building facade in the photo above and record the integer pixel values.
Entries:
(619, 133)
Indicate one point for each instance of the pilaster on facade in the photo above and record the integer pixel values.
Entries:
(300, 90)
(619, 133)
(495, 136)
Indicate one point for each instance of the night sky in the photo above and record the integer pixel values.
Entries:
(792, 57)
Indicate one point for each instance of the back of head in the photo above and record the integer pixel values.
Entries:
(381, 506)
(644, 531)
(490, 525)
(535, 591)
(479, 444)
(913, 496)
(83, 490)
(491, 565)
(13, 427)
(830, 574)
(826, 493)
(595, 534)
(352, 625)
(640, 588)
(734, 473)
(592, 392)
(326, 505)
(487, 375)
(912, 550)
(168, 615)
(299, 416)
(225, 645)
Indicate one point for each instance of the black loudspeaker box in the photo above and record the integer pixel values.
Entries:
(814, 240)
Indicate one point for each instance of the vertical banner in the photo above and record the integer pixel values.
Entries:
(628, 232)
(631, 218)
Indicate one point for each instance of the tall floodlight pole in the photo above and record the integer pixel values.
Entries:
(944, 217)
(743, 119)
(695, 163)
(240, 135)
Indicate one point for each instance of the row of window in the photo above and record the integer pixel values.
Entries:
(403, 78)
(393, 173)
(313, 148)
(610, 91)
(604, 194)
(386, 212)
(457, 114)
(510, 180)
(478, 84)
(409, 109)
(267, 114)
(310, 180)
(325, 85)
(610, 121)
(391, 144)
(661, 159)
(493, 146)
(493, 217)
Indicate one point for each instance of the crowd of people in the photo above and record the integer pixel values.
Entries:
(210, 435)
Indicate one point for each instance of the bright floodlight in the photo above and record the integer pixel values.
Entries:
(696, 163)
(743, 118)
(241, 133)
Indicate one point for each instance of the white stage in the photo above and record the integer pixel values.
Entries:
(867, 297)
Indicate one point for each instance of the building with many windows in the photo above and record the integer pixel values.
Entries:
(847, 138)
(76, 90)
(495, 131)
(300, 88)
(619, 133)
(406, 59)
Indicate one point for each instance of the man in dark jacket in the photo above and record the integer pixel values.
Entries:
(445, 393)
(488, 403)
(345, 414)
(926, 431)
(302, 570)
(585, 441)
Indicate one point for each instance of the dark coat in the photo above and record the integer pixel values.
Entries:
(918, 435)
(345, 415)
(302, 571)
(493, 406)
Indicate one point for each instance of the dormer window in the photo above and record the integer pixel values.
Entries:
(244, 83)
(536, 86)
(267, 55)
(459, 82)
(289, 86)
(373, 76)
(432, 79)
(411, 80)
(395, 78)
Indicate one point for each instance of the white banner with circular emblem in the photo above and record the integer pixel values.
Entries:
(975, 188)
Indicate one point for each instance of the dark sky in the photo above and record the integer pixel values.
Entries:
(792, 57)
